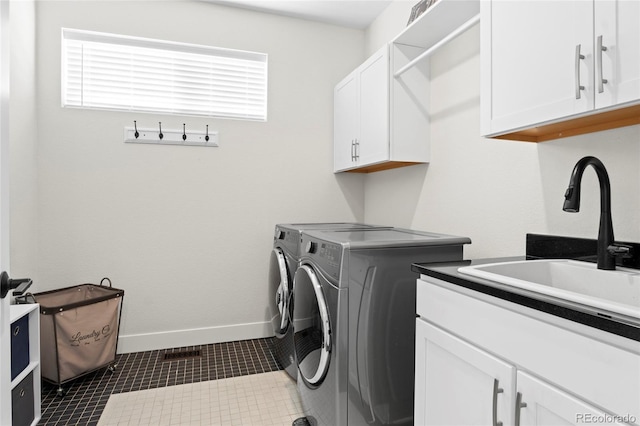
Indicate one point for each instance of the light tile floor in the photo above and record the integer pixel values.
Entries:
(259, 399)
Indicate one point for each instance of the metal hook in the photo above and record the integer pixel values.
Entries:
(160, 135)
(184, 132)
(135, 126)
(206, 138)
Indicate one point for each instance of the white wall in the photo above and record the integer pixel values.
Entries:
(187, 231)
(23, 139)
(495, 191)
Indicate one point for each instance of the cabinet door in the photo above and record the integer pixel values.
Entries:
(543, 404)
(373, 143)
(617, 30)
(345, 123)
(457, 383)
(531, 67)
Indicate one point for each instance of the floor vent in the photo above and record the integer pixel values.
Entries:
(178, 355)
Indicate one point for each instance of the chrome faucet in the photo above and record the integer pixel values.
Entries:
(607, 250)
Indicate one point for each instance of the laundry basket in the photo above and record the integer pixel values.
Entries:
(79, 328)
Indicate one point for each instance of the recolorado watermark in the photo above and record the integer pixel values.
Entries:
(589, 418)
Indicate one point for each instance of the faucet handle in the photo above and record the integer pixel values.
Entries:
(620, 250)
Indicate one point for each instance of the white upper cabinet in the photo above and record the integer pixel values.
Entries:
(374, 109)
(617, 44)
(377, 124)
(361, 114)
(532, 61)
(345, 122)
(545, 63)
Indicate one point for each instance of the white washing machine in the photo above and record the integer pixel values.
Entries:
(354, 322)
(285, 257)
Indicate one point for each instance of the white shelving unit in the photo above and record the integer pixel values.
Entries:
(393, 131)
(410, 81)
(438, 25)
(32, 385)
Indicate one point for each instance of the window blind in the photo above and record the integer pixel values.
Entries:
(114, 72)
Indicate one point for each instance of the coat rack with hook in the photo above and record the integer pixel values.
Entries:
(162, 136)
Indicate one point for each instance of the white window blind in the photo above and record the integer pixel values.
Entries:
(115, 72)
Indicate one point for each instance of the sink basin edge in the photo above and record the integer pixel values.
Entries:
(542, 272)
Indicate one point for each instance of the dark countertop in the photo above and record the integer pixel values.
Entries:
(449, 272)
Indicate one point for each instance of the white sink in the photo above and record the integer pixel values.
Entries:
(579, 282)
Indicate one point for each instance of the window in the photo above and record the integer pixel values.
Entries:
(114, 72)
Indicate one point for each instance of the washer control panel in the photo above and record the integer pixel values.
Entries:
(284, 237)
(326, 256)
(330, 252)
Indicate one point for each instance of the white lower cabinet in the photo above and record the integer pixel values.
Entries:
(480, 363)
(457, 383)
(541, 404)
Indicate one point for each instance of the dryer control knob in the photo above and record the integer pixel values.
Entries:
(311, 247)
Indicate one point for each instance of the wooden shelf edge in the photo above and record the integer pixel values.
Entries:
(383, 166)
(622, 117)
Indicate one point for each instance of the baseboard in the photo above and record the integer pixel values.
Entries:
(199, 336)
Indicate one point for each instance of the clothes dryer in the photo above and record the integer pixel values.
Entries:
(284, 261)
(354, 322)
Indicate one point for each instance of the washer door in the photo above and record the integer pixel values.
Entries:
(312, 332)
(279, 291)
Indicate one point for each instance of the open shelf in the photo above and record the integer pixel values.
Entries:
(438, 22)
(18, 311)
(29, 378)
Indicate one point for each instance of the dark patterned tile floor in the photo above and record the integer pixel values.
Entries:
(87, 396)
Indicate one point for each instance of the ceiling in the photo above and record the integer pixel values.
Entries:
(357, 14)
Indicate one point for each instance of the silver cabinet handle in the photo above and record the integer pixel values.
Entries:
(578, 57)
(519, 405)
(600, 48)
(357, 150)
(496, 390)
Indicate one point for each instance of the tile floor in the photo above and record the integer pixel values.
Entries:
(88, 396)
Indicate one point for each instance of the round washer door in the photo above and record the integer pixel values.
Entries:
(312, 332)
(279, 291)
